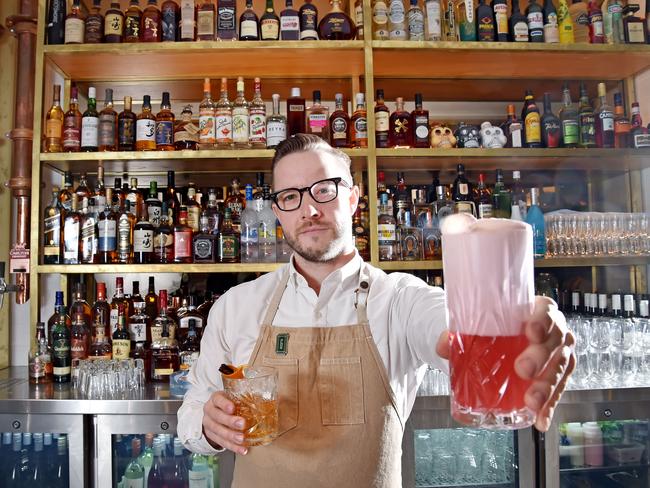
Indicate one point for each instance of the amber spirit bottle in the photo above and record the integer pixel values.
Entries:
(79, 339)
(401, 130)
(382, 121)
(74, 24)
(337, 25)
(72, 233)
(204, 242)
(289, 23)
(165, 125)
(163, 239)
(622, 125)
(512, 129)
(318, 118)
(114, 24)
(205, 19)
(170, 15)
(532, 122)
(604, 120)
(125, 223)
(151, 300)
(54, 124)
(228, 243)
(551, 130)
(420, 123)
(295, 113)
(226, 20)
(269, 23)
(72, 124)
(249, 24)
(171, 198)
(359, 121)
(143, 240)
(185, 132)
(182, 239)
(52, 230)
(633, 27)
(308, 21)
(145, 129)
(126, 124)
(121, 340)
(151, 22)
(108, 124)
(90, 124)
(187, 24)
(339, 124)
(165, 357)
(94, 24)
(132, 17)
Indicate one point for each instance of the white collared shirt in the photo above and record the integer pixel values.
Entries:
(406, 318)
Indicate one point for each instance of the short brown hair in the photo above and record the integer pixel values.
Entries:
(309, 142)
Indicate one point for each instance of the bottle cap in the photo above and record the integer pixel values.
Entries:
(616, 302)
(295, 92)
(643, 308)
(360, 97)
(516, 175)
(91, 92)
(628, 303)
(602, 301)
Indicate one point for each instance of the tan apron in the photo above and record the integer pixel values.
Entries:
(339, 423)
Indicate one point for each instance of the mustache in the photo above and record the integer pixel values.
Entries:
(309, 224)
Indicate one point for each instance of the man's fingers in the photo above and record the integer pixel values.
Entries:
(226, 438)
(222, 402)
(545, 416)
(545, 384)
(536, 356)
(442, 347)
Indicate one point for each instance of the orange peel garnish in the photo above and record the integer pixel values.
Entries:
(232, 372)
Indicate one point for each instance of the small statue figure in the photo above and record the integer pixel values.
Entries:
(492, 137)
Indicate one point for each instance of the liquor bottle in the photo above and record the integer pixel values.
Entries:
(382, 121)
(569, 120)
(119, 305)
(151, 300)
(65, 194)
(71, 233)
(535, 17)
(163, 239)
(518, 198)
(604, 120)
(420, 123)
(74, 25)
(500, 8)
(107, 131)
(613, 22)
(461, 17)
(249, 24)
(276, 125)
(400, 126)
(182, 238)
(52, 230)
(134, 472)
(410, 240)
(339, 124)
(151, 23)
(165, 125)
(228, 241)
(596, 27)
(125, 224)
(153, 205)
(56, 14)
(289, 23)
(164, 349)
(190, 345)
(188, 22)
(580, 17)
(185, 132)
(94, 24)
(90, 124)
(135, 197)
(193, 208)
(397, 27)
(360, 224)
(337, 25)
(257, 118)
(40, 358)
(61, 357)
(359, 122)
(415, 18)
(89, 235)
(501, 200)
(126, 127)
(82, 191)
(586, 120)
(143, 240)
(132, 16)
(207, 131)
(226, 20)
(308, 21)
(54, 124)
(171, 198)
(380, 19)
(224, 118)
(633, 26)
(484, 22)
(512, 128)
(236, 203)
(518, 24)
(145, 127)
(531, 120)
(622, 125)
(121, 340)
(58, 309)
(240, 117)
(535, 218)
(386, 231)
(318, 118)
(551, 27)
(639, 133)
(72, 124)
(140, 332)
(249, 244)
(565, 23)
(551, 130)
(295, 113)
(461, 192)
(107, 232)
(269, 23)
(170, 16)
(101, 311)
(79, 339)
(205, 21)
(484, 206)
(204, 243)
(188, 315)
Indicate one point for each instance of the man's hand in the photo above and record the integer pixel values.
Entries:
(548, 360)
(220, 427)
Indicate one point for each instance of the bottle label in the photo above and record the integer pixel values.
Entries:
(143, 240)
(515, 134)
(396, 12)
(257, 126)
(536, 20)
(380, 13)
(169, 24)
(205, 23)
(113, 25)
(582, 19)
(165, 133)
(386, 232)
(596, 22)
(316, 123)
(290, 23)
(138, 331)
(381, 121)
(248, 28)
(207, 127)
(501, 18)
(107, 235)
(635, 32)
(422, 127)
(187, 20)
(74, 31)
(193, 216)
(61, 350)
(587, 129)
(226, 21)
(224, 128)
(61, 370)
(187, 133)
(121, 348)
(71, 240)
(570, 131)
(551, 30)
(360, 128)
(433, 20)
(78, 348)
(88, 240)
(521, 32)
(463, 188)
(229, 247)
(53, 128)
(52, 230)
(641, 140)
(269, 29)
(184, 323)
(183, 244)
(189, 358)
(276, 132)
(339, 128)
(416, 24)
(484, 210)
(89, 131)
(132, 27)
(150, 32)
(533, 128)
(124, 236)
(203, 248)
(240, 124)
(145, 130)
(154, 212)
(107, 130)
(71, 134)
(607, 120)
(156, 333)
(126, 132)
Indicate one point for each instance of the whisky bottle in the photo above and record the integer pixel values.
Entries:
(187, 316)
(461, 192)
(228, 240)
(420, 123)
(100, 347)
(79, 339)
(551, 131)
(188, 20)
(89, 236)
(193, 208)
(52, 230)
(236, 203)
(289, 23)
(639, 133)
(586, 120)
(240, 117)
(397, 27)
(145, 128)
(139, 331)
(569, 120)
(94, 24)
(502, 202)
(163, 239)
(71, 233)
(415, 22)
(276, 124)
(150, 23)
(604, 120)
(153, 205)
(257, 118)
(107, 232)
(182, 238)
(65, 194)
(518, 24)
(121, 340)
(580, 17)
(205, 21)
(358, 19)
(61, 358)
(485, 22)
(295, 113)
(565, 23)
(337, 25)
(119, 305)
(190, 345)
(633, 26)
(72, 124)
(535, 17)
(126, 123)
(59, 309)
(596, 26)
(359, 121)
(386, 231)
(269, 23)
(108, 124)
(249, 24)
(226, 20)
(164, 353)
(622, 125)
(54, 124)
(531, 120)
(339, 124)
(207, 132)
(83, 191)
(132, 16)
(551, 27)
(308, 21)
(165, 125)
(318, 118)
(143, 240)
(125, 223)
(484, 205)
(401, 130)
(382, 123)
(204, 243)
(224, 118)
(186, 134)
(90, 124)
(74, 24)
(170, 14)
(380, 19)
(512, 129)
(171, 198)
(56, 15)
(134, 196)
(40, 358)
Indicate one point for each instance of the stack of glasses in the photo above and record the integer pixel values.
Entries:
(110, 379)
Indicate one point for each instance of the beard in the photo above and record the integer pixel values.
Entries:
(318, 251)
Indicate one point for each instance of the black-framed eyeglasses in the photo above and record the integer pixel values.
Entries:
(322, 191)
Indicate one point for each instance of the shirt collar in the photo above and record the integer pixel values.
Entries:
(345, 276)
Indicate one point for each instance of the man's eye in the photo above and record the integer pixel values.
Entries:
(289, 197)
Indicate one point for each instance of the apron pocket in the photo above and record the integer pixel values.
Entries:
(340, 384)
(287, 391)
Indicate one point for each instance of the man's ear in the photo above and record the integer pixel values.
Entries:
(354, 199)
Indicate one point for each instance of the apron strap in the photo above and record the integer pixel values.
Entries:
(275, 299)
(361, 295)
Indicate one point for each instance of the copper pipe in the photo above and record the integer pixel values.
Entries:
(23, 27)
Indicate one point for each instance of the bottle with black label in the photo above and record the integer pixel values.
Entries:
(484, 22)
(227, 20)
(420, 123)
(551, 131)
(308, 22)
(551, 28)
(535, 17)
(518, 24)
(586, 120)
(171, 16)
(56, 14)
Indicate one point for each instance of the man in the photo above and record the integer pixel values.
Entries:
(358, 344)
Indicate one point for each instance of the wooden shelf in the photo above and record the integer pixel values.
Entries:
(521, 158)
(193, 60)
(157, 268)
(508, 60)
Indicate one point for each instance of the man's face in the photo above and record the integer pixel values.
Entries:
(319, 232)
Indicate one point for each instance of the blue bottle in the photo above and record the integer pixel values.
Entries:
(535, 218)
